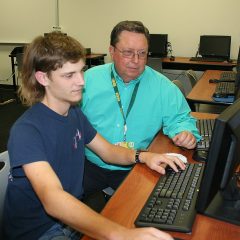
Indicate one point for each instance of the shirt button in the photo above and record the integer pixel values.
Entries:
(118, 125)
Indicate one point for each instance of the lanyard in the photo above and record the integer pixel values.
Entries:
(117, 94)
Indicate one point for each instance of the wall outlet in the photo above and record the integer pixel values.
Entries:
(57, 28)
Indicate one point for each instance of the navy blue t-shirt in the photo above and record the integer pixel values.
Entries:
(41, 134)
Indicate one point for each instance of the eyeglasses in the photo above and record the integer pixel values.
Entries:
(131, 54)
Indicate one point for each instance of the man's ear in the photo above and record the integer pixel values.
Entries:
(41, 78)
(111, 50)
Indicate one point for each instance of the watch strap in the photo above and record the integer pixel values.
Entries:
(137, 154)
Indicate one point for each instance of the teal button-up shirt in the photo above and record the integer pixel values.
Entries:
(159, 104)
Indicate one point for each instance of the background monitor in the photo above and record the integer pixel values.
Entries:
(219, 195)
(158, 45)
(237, 78)
(237, 81)
(215, 46)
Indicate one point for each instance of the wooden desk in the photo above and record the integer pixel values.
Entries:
(203, 90)
(184, 63)
(128, 200)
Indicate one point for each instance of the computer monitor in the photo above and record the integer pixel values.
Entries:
(237, 80)
(213, 46)
(158, 45)
(219, 194)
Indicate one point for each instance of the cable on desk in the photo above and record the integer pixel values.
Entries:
(7, 79)
(7, 101)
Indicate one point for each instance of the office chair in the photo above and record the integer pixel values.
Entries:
(108, 192)
(179, 84)
(191, 75)
(19, 62)
(4, 170)
(18, 53)
(155, 63)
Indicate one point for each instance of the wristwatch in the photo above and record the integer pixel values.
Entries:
(138, 151)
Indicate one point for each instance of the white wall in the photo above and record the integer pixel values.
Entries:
(184, 21)
(22, 20)
(91, 22)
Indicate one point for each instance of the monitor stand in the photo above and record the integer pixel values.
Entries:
(225, 205)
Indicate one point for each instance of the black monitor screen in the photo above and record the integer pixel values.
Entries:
(158, 45)
(237, 81)
(215, 46)
(219, 194)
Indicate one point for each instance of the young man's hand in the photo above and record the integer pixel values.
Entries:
(158, 162)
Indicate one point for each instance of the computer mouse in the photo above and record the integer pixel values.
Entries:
(219, 95)
(212, 80)
(200, 155)
(180, 156)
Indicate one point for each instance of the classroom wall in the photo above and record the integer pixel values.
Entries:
(91, 22)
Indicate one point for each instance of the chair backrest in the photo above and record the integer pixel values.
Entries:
(4, 171)
(180, 86)
(16, 50)
(155, 63)
(19, 59)
(192, 77)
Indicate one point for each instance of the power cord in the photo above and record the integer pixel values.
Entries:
(170, 51)
(7, 101)
(7, 79)
(197, 50)
(11, 99)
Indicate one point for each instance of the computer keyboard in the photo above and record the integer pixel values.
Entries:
(171, 205)
(201, 59)
(205, 127)
(224, 88)
(228, 76)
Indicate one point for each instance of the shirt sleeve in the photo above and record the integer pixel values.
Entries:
(177, 117)
(25, 145)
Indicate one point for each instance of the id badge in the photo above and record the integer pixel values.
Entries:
(129, 145)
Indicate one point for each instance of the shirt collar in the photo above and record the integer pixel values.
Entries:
(119, 79)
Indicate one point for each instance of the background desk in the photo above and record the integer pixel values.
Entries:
(128, 200)
(203, 90)
(184, 63)
(91, 59)
(95, 59)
